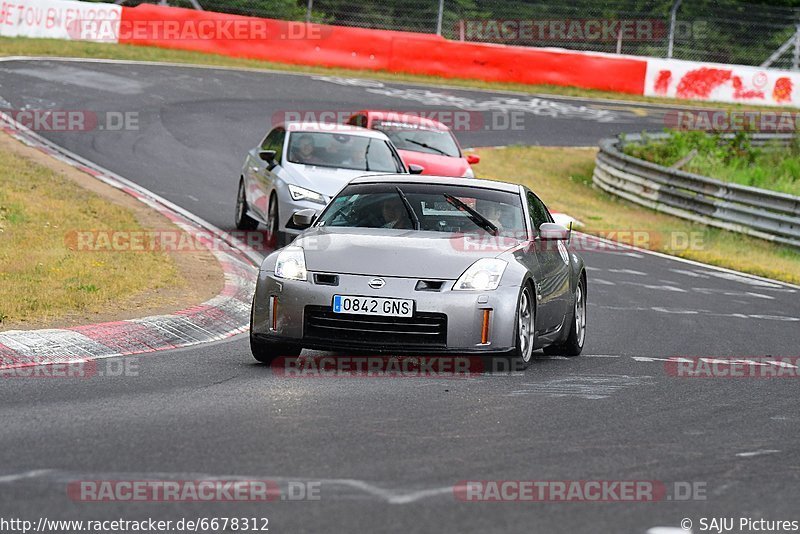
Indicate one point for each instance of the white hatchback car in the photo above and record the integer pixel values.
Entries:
(301, 165)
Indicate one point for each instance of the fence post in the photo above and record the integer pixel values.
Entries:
(308, 10)
(673, 14)
(796, 57)
(440, 17)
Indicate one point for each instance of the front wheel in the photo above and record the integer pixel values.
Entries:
(525, 329)
(266, 352)
(573, 344)
(274, 237)
(243, 220)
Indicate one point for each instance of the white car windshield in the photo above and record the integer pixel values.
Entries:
(329, 149)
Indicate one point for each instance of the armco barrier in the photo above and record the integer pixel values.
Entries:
(756, 212)
(415, 53)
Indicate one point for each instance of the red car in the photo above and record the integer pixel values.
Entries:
(420, 141)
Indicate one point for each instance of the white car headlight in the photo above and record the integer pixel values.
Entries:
(300, 193)
(291, 264)
(483, 275)
(469, 173)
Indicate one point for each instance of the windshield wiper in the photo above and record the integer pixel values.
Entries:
(366, 156)
(474, 216)
(426, 145)
(409, 209)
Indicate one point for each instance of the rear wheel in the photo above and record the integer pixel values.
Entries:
(573, 344)
(243, 220)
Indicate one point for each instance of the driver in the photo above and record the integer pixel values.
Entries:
(394, 214)
(492, 212)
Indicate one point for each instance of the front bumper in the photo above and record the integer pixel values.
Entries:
(464, 311)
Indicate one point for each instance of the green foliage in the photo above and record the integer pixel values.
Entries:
(731, 159)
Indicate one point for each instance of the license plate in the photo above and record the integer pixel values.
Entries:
(373, 306)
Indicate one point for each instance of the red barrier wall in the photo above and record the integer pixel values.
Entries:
(358, 48)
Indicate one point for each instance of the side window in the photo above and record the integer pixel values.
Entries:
(538, 212)
(265, 143)
(274, 141)
(277, 145)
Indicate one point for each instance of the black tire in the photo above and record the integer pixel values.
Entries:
(266, 352)
(573, 344)
(524, 330)
(275, 238)
(243, 220)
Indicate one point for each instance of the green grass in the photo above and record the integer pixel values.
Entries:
(732, 160)
(562, 177)
(41, 277)
(20, 46)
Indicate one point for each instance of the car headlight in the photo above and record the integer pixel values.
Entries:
(483, 275)
(300, 193)
(469, 173)
(291, 264)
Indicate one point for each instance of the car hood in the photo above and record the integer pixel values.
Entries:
(390, 252)
(435, 164)
(325, 180)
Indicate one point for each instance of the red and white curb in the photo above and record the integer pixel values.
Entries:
(221, 317)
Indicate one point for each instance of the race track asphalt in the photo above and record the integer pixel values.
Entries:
(386, 453)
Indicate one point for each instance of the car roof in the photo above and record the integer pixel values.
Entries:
(438, 180)
(330, 127)
(404, 118)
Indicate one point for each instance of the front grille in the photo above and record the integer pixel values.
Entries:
(421, 330)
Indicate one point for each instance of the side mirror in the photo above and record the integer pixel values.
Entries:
(304, 218)
(267, 155)
(415, 169)
(553, 232)
(472, 159)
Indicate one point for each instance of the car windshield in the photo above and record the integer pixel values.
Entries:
(383, 206)
(419, 138)
(329, 149)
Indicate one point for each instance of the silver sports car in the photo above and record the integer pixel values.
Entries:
(400, 263)
(302, 165)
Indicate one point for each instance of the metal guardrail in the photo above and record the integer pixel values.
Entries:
(765, 214)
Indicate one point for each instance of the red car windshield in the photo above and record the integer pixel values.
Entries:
(418, 138)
